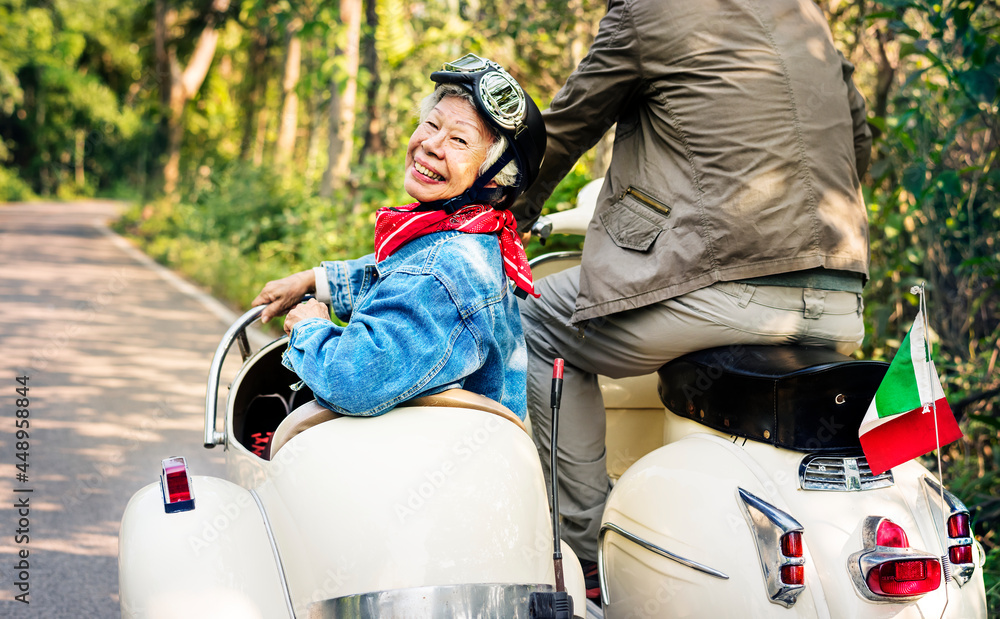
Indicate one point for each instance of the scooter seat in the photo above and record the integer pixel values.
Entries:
(801, 398)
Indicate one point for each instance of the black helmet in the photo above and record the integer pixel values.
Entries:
(507, 108)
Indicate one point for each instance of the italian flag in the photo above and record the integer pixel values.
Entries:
(899, 424)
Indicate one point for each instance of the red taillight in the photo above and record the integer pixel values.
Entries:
(958, 526)
(891, 534)
(177, 496)
(792, 574)
(905, 577)
(960, 554)
(177, 486)
(791, 544)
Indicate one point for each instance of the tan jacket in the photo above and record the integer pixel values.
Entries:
(739, 146)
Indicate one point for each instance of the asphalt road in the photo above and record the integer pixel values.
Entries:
(116, 356)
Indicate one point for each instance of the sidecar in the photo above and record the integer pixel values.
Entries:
(437, 508)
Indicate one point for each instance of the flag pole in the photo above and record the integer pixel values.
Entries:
(921, 292)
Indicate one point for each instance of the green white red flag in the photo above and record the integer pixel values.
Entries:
(899, 424)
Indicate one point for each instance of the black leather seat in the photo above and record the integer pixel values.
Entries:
(796, 397)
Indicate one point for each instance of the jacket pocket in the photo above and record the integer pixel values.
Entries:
(636, 219)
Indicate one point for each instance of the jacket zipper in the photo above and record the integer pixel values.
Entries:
(648, 200)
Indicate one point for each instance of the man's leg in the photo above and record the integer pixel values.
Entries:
(637, 342)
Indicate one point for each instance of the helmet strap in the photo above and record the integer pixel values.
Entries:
(478, 193)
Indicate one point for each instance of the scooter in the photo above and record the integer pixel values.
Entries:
(741, 490)
(437, 508)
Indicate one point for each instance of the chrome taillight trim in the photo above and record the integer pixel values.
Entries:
(650, 546)
(872, 555)
(840, 473)
(961, 573)
(769, 524)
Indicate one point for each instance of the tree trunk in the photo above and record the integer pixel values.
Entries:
(582, 35)
(374, 143)
(886, 75)
(184, 83)
(342, 103)
(79, 152)
(289, 122)
(314, 121)
(255, 88)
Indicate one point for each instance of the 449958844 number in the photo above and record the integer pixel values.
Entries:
(21, 422)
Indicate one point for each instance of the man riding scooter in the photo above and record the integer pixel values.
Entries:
(731, 212)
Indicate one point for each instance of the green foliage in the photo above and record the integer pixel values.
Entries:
(934, 216)
(64, 71)
(12, 188)
(239, 227)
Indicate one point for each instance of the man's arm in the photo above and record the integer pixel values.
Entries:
(586, 106)
(859, 116)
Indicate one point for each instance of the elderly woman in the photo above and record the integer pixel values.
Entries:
(431, 308)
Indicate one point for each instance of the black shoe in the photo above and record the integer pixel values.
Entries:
(591, 580)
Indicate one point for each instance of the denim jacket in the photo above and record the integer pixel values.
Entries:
(436, 314)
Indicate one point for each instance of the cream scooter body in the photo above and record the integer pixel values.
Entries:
(425, 511)
(693, 524)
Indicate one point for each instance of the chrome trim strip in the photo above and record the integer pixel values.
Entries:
(277, 555)
(609, 526)
(768, 524)
(955, 505)
(509, 601)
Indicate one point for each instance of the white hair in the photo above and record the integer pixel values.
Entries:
(507, 176)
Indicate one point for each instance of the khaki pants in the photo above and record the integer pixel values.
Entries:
(637, 342)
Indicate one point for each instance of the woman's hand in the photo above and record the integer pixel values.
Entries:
(310, 309)
(283, 294)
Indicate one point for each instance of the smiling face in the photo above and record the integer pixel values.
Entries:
(446, 151)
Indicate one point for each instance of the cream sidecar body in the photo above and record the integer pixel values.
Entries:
(426, 511)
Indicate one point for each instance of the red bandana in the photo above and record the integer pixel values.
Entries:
(395, 227)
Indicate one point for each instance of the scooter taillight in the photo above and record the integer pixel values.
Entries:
(791, 547)
(793, 574)
(791, 544)
(891, 534)
(778, 538)
(904, 578)
(960, 554)
(958, 526)
(951, 515)
(176, 485)
(887, 568)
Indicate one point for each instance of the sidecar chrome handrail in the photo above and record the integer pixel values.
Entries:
(650, 546)
(237, 330)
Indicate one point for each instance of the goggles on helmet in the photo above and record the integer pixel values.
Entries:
(505, 106)
(496, 93)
